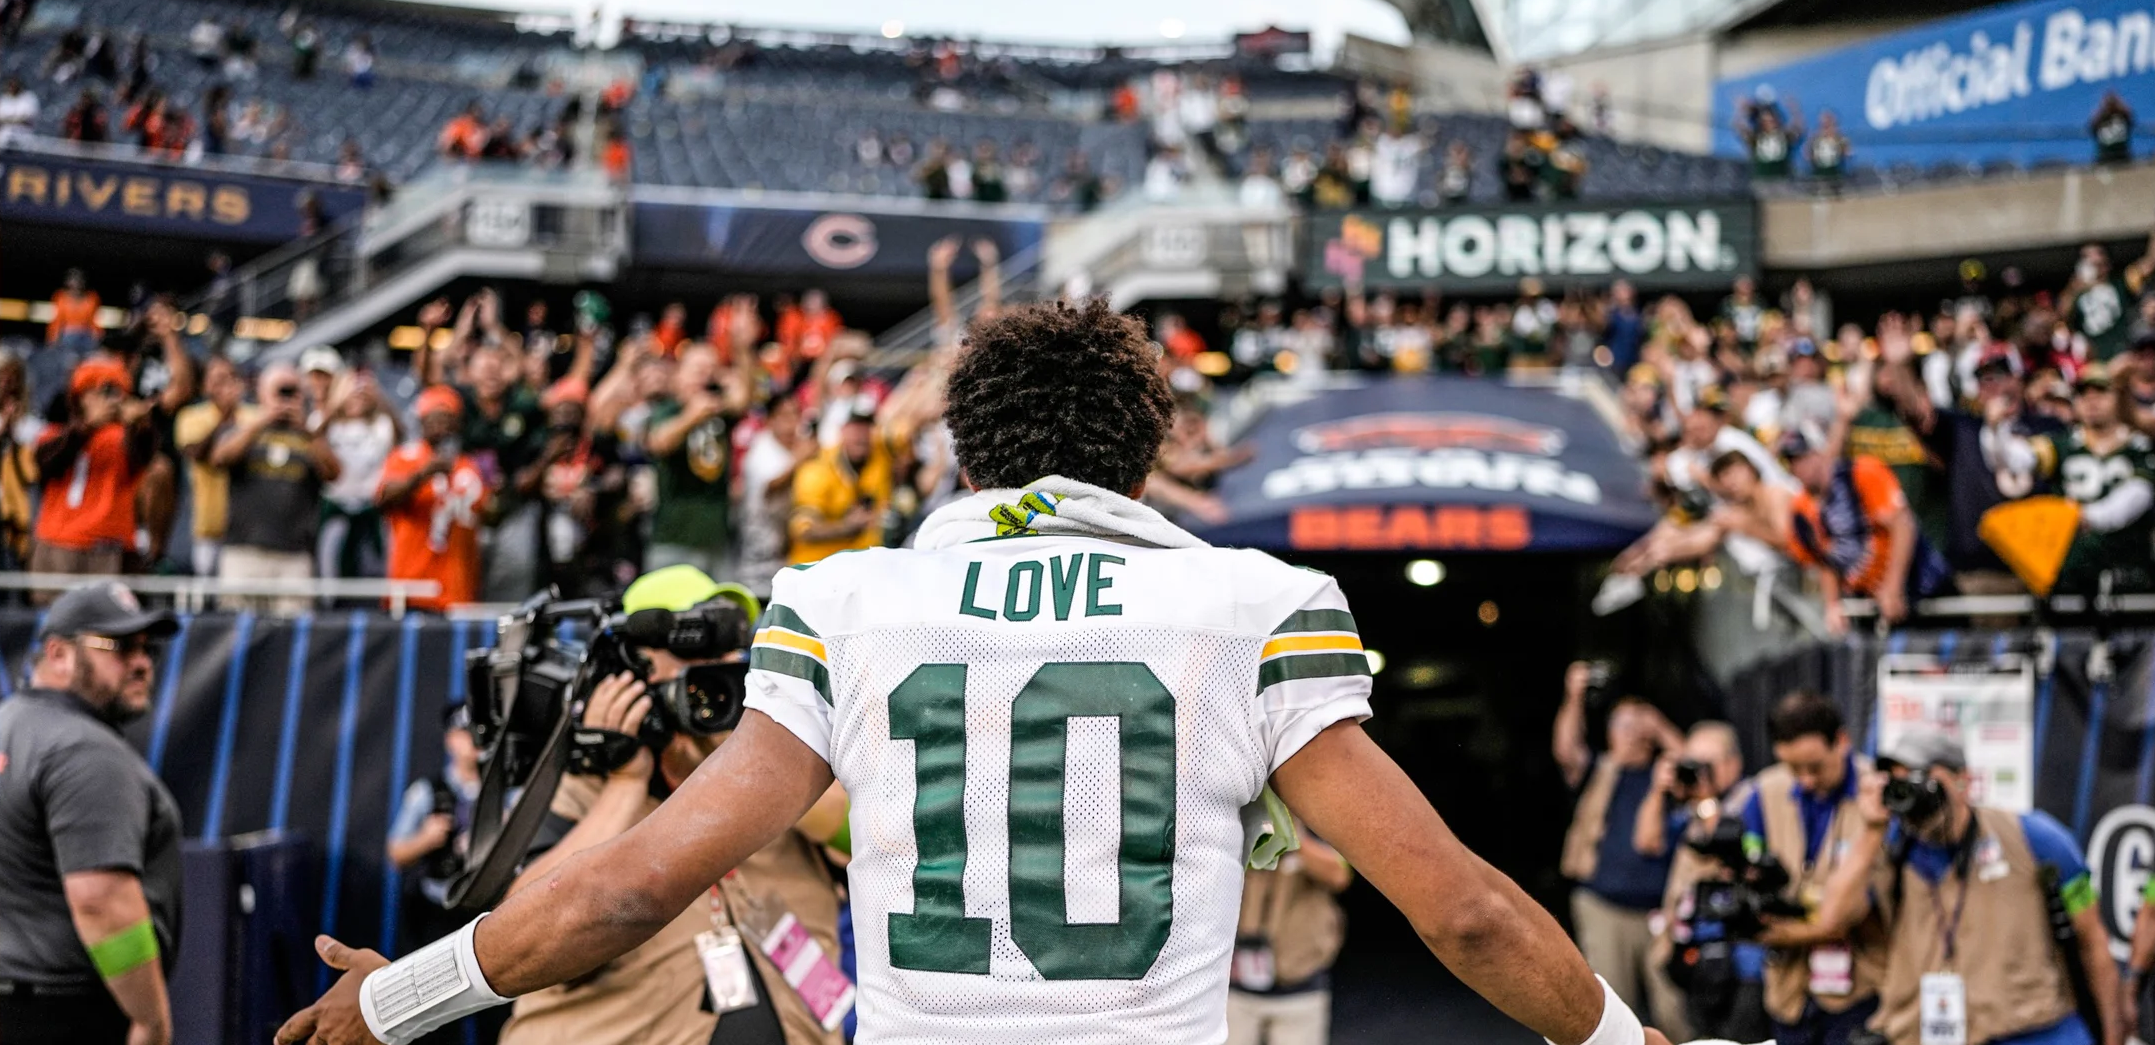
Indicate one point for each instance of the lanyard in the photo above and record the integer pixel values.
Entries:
(1948, 931)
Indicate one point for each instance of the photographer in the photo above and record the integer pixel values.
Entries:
(1720, 976)
(1618, 888)
(1969, 899)
(1821, 981)
(275, 467)
(656, 994)
(432, 830)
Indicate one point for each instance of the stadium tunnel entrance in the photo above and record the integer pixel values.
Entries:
(1471, 652)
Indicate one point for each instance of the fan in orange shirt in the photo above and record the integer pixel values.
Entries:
(91, 465)
(464, 137)
(1851, 524)
(672, 328)
(74, 314)
(430, 497)
(807, 329)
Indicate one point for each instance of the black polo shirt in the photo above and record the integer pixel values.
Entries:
(75, 797)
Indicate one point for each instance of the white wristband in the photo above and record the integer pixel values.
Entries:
(428, 988)
(1619, 1025)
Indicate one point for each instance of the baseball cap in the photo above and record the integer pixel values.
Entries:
(438, 399)
(680, 588)
(1999, 358)
(321, 358)
(1805, 438)
(98, 372)
(1923, 749)
(1712, 397)
(105, 608)
(2094, 375)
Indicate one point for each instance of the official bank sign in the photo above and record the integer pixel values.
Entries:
(2016, 81)
(1656, 247)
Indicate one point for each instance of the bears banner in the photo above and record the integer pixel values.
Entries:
(1658, 246)
(800, 242)
(162, 199)
(1435, 464)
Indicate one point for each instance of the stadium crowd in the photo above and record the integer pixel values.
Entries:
(518, 448)
(511, 450)
(1868, 456)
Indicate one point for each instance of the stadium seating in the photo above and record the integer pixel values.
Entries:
(804, 104)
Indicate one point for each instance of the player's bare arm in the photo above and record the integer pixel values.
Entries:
(1485, 929)
(606, 900)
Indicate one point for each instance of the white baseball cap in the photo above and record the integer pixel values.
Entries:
(321, 358)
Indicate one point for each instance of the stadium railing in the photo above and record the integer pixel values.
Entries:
(125, 153)
(195, 594)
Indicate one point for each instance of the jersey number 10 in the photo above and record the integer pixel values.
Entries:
(928, 708)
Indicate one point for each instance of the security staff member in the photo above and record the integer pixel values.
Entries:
(89, 839)
(657, 994)
(1971, 957)
(1286, 937)
(1821, 983)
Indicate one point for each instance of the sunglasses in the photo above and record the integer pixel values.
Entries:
(126, 647)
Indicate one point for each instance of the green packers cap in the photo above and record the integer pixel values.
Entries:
(683, 587)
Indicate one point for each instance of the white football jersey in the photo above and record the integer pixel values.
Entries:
(1048, 741)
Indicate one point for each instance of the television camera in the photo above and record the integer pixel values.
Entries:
(528, 694)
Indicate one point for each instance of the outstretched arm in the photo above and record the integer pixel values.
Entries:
(1480, 924)
(602, 902)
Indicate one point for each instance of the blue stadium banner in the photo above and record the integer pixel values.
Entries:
(1473, 250)
(161, 199)
(2015, 82)
(795, 242)
(1434, 464)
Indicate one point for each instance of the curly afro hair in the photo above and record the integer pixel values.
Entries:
(1059, 389)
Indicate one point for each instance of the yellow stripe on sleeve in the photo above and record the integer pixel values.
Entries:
(792, 641)
(1335, 643)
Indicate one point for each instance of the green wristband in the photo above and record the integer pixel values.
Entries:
(125, 951)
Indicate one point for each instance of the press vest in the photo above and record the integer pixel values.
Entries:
(1298, 917)
(650, 995)
(2004, 952)
(1788, 971)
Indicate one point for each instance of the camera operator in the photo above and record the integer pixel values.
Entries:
(1721, 977)
(656, 994)
(1617, 887)
(1821, 982)
(1970, 898)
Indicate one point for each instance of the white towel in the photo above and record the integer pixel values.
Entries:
(1053, 505)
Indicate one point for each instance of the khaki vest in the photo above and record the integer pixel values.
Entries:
(1297, 915)
(1582, 841)
(653, 995)
(1686, 867)
(2004, 951)
(1788, 972)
